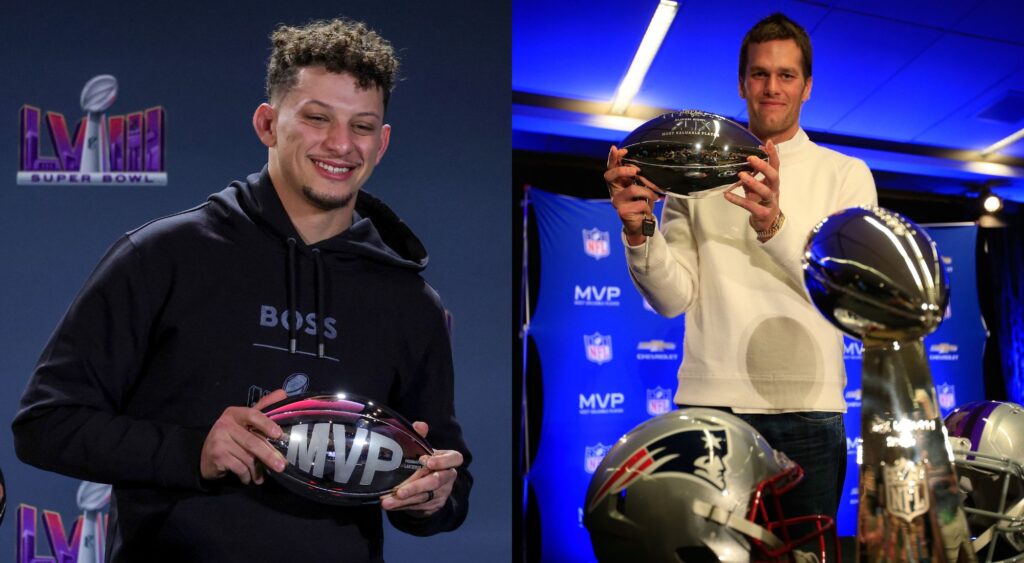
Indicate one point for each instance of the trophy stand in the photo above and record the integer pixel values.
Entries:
(877, 276)
(909, 502)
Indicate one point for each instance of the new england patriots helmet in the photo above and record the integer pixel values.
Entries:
(988, 451)
(697, 485)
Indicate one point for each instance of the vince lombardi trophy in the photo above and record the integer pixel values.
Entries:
(878, 277)
(98, 95)
(92, 499)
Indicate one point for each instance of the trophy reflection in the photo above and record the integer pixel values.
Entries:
(878, 277)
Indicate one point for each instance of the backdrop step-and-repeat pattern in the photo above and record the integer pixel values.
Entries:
(609, 362)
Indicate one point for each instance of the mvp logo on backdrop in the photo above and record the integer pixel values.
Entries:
(104, 150)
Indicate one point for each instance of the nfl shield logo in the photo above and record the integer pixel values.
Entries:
(905, 489)
(599, 347)
(593, 457)
(595, 243)
(658, 401)
(947, 396)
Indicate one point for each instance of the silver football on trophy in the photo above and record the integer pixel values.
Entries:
(690, 153)
(99, 93)
(875, 274)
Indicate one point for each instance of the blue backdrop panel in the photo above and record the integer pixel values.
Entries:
(609, 363)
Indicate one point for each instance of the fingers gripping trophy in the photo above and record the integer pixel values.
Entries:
(878, 277)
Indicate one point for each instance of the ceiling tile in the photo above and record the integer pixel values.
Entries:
(952, 72)
(849, 70)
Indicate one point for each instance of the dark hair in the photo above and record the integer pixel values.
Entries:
(774, 27)
(340, 45)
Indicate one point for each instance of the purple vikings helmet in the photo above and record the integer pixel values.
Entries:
(696, 485)
(988, 452)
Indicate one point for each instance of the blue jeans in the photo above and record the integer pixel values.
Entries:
(817, 442)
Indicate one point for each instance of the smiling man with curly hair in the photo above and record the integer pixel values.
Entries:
(146, 382)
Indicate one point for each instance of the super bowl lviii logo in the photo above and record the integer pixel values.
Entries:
(82, 543)
(104, 150)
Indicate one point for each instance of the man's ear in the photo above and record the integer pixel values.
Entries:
(807, 89)
(385, 138)
(264, 121)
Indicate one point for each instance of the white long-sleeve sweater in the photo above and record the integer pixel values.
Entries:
(753, 339)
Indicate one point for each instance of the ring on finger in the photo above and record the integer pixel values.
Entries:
(430, 496)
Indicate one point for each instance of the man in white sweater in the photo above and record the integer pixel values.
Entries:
(754, 344)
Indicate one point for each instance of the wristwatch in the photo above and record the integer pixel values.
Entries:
(768, 233)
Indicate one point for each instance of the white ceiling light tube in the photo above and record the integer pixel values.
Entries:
(656, 32)
(999, 145)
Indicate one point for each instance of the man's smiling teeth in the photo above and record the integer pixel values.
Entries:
(331, 169)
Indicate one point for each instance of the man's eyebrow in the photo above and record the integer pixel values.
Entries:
(330, 107)
(757, 68)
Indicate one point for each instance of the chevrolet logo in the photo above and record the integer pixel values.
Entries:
(656, 346)
(943, 348)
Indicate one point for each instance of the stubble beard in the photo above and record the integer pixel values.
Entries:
(326, 202)
(767, 127)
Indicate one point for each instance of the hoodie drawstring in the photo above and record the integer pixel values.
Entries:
(319, 289)
(292, 313)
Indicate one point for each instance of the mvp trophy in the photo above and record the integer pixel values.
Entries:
(878, 277)
(691, 153)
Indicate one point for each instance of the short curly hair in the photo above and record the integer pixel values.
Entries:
(340, 45)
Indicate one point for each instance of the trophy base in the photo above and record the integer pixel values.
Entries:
(909, 508)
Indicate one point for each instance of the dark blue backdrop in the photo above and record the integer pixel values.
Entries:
(609, 363)
(446, 173)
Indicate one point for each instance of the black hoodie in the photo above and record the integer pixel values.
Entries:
(186, 316)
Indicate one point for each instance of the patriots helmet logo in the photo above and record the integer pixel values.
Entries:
(698, 454)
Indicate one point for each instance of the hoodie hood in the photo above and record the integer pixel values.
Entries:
(376, 232)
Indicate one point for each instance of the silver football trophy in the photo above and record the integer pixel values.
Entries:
(98, 95)
(878, 277)
(691, 153)
(92, 499)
